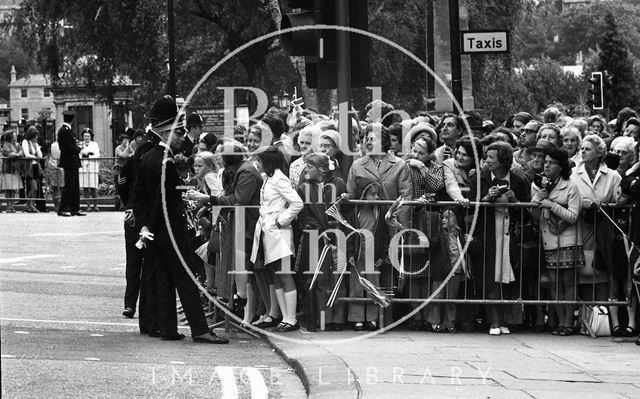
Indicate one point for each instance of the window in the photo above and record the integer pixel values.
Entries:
(47, 92)
(25, 113)
(23, 92)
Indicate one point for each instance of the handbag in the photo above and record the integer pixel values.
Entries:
(594, 321)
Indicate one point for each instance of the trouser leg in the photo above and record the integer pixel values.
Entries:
(133, 266)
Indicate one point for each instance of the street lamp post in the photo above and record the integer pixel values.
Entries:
(172, 50)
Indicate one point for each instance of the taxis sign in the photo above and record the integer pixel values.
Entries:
(474, 42)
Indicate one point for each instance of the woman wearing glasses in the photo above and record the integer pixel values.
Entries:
(557, 214)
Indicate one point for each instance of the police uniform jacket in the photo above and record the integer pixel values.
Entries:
(69, 151)
(148, 203)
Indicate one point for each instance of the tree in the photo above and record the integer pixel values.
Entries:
(503, 92)
(95, 44)
(496, 87)
(614, 58)
(128, 38)
(11, 55)
(546, 82)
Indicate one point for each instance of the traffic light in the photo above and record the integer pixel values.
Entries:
(319, 46)
(596, 91)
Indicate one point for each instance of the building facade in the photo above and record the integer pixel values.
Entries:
(33, 99)
(30, 97)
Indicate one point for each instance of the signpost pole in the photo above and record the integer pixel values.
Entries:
(456, 63)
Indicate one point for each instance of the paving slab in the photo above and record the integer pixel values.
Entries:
(403, 364)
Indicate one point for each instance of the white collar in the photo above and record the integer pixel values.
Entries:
(507, 177)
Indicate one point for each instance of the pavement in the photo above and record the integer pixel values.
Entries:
(63, 336)
(408, 364)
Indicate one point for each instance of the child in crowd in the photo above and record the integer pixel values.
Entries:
(365, 315)
(447, 253)
(206, 173)
(320, 189)
(208, 182)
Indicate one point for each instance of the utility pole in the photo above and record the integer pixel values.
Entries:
(172, 50)
(343, 60)
(431, 62)
(456, 63)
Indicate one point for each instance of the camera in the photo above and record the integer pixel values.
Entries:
(502, 188)
(541, 181)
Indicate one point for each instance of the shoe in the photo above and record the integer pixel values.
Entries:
(628, 332)
(210, 338)
(358, 326)
(638, 342)
(565, 332)
(11, 210)
(128, 313)
(154, 333)
(78, 213)
(450, 330)
(494, 331)
(286, 327)
(616, 331)
(556, 331)
(426, 326)
(438, 328)
(505, 330)
(238, 306)
(271, 322)
(371, 326)
(336, 326)
(172, 337)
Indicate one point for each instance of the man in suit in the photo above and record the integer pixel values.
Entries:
(159, 209)
(69, 162)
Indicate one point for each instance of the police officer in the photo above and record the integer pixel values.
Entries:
(70, 163)
(155, 199)
(140, 280)
(194, 130)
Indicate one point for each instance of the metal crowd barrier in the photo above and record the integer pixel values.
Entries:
(533, 285)
(95, 174)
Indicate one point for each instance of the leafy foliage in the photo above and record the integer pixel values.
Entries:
(503, 92)
(547, 83)
(11, 54)
(614, 58)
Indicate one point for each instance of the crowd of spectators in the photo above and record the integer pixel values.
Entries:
(552, 224)
(554, 199)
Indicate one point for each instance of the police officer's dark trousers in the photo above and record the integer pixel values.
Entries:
(171, 276)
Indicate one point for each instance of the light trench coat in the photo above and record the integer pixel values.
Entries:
(278, 201)
(558, 224)
(604, 188)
